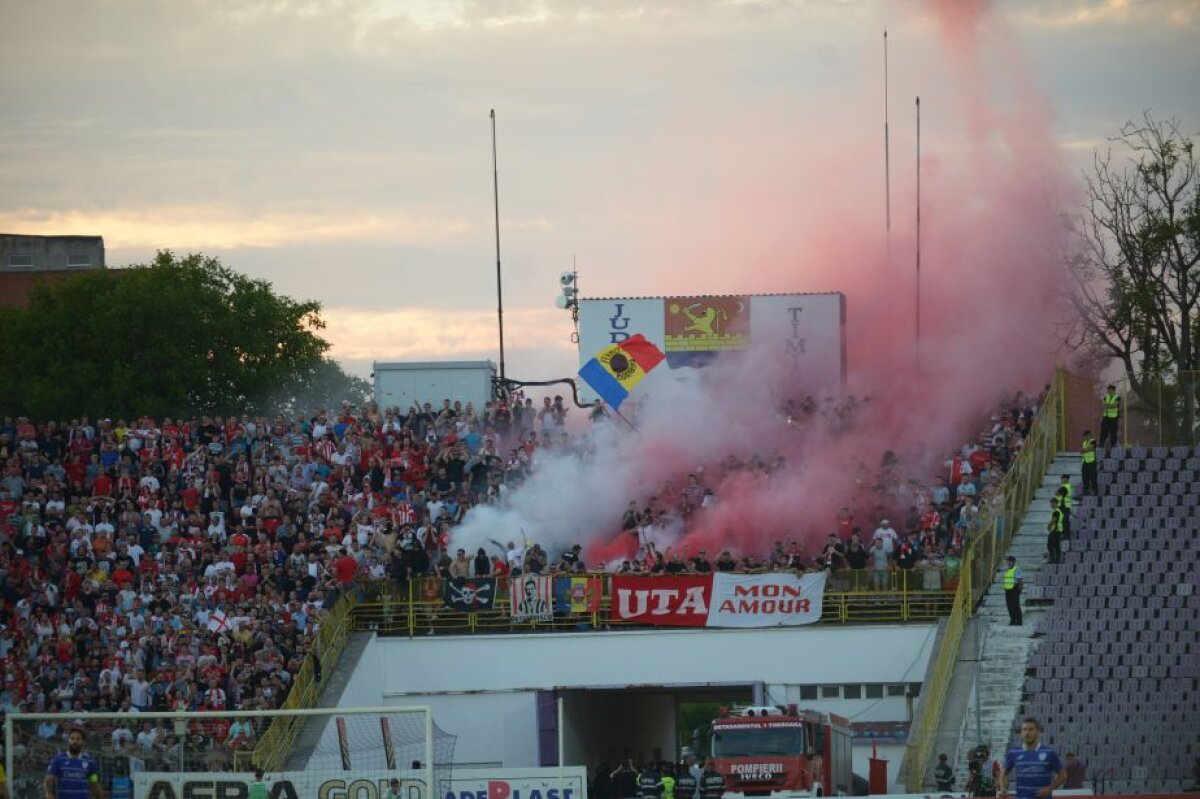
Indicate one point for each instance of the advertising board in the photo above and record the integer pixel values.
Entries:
(469, 783)
(804, 334)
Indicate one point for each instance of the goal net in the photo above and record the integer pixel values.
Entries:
(303, 754)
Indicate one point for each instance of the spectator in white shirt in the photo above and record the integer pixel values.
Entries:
(148, 736)
(886, 534)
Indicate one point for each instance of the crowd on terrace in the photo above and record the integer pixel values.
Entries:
(185, 564)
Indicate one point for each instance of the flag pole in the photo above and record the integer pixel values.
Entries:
(621, 416)
(887, 149)
(887, 184)
(499, 282)
(918, 319)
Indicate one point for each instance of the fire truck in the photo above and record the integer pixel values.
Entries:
(781, 751)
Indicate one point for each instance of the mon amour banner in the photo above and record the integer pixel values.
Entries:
(719, 600)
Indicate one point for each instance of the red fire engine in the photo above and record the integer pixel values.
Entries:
(781, 752)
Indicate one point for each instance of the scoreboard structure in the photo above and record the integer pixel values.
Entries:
(804, 334)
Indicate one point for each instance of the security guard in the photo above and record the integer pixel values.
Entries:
(650, 784)
(1012, 592)
(1110, 421)
(1088, 448)
(712, 784)
(685, 782)
(668, 781)
(1065, 491)
(1054, 529)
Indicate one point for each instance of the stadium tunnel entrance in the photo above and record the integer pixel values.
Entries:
(643, 722)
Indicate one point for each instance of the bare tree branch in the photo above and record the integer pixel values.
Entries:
(1135, 264)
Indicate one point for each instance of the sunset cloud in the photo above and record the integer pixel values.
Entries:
(427, 334)
(341, 149)
(208, 227)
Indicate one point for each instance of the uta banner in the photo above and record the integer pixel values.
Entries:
(777, 599)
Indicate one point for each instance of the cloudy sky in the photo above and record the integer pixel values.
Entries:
(341, 148)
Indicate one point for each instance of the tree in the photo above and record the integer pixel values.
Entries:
(178, 335)
(320, 384)
(1136, 273)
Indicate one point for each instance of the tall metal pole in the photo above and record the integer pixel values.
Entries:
(887, 149)
(887, 189)
(918, 326)
(499, 281)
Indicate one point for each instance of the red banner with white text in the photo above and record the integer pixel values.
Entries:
(719, 600)
(680, 601)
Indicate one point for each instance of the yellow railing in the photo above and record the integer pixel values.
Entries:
(851, 597)
(998, 522)
(272, 749)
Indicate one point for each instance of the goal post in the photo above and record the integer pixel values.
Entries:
(318, 753)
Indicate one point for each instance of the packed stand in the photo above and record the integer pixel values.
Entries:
(935, 517)
(186, 565)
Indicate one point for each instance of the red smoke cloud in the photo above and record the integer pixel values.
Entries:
(989, 277)
(991, 179)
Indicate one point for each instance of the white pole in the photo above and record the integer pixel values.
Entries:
(431, 790)
(562, 786)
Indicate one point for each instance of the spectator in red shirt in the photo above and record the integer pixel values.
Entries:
(345, 570)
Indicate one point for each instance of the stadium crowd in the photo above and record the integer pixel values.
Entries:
(186, 564)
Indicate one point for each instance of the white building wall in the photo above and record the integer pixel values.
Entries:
(403, 384)
(791, 656)
(483, 689)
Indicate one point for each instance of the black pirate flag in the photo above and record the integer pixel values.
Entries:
(469, 594)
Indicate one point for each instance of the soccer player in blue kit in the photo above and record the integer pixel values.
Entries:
(73, 774)
(1039, 769)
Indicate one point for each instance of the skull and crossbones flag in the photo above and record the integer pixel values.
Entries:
(469, 594)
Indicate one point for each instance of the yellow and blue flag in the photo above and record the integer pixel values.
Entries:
(577, 594)
(615, 370)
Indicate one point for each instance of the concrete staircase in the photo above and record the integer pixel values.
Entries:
(1005, 650)
(313, 728)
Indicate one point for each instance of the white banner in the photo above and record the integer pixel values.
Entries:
(532, 597)
(804, 335)
(366, 784)
(569, 782)
(765, 600)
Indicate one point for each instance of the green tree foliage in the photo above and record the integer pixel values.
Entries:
(1137, 270)
(178, 335)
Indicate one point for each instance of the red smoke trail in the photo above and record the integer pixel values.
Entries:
(989, 284)
(793, 201)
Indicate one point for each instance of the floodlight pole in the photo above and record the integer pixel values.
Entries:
(499, 281)
(918, 319)
(887, 149)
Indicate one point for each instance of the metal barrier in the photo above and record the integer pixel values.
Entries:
(272, 749)
(999, 521)
(920, 594)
